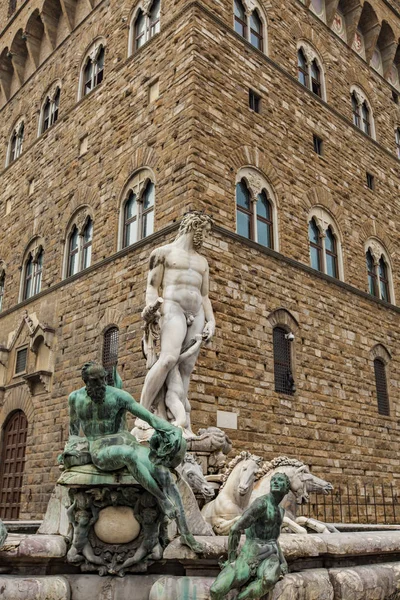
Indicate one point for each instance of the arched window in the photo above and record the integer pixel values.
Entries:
(303, 75)
(87, 244)
(240, 19)
(264, 220)
(383, 280)
(251, 25)
(283, 372)
(366, 123)
(73, 254)
(2, 284)
(137, 212)
(381, 387)
(12, 464)
(256, 217)
(316, 79)
(32, 273)
(362, 113)
(92, 71)
(16, 142)
(110, 352)
(315, 243)
(309, 69)
(79, 246)
(144, 26)
(140, 30)
(244, 206)
(324, 243)
(398, 142)
(256, 30)
(130, 220)
(331, 257)
(356, 111)
(379, 272)
(50, 111)
(372, 287)
(154, 18)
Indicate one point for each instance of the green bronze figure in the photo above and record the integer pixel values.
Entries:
(260, 563)
(100, 410)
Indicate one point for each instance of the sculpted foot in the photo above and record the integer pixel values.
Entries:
(189, 540)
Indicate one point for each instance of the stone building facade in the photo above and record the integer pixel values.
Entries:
(100, 103)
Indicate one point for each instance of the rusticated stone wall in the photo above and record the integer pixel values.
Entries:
(195, 137)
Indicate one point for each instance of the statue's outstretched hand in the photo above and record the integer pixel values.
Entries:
(208, 331)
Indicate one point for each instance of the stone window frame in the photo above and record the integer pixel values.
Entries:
(33, 253)
(378, 252)
(397, 141)
(324, 221)
(79, 221)
(51, 97)
(311, 55)
(257, 183)
(362, 99)
(283, 319)
(380, 353)
(251, 6)
(16, 140)
(92, 55)
(2, 283)
(145, 8)
(137, 183)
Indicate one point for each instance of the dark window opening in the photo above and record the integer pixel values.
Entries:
(356, 111)
(256, 38)
(395, 97)
(316, 79)
(370, 181)
(254, 101)
(284, 381)
(331, 253)
(20, 362)
(381, 387)
(318, 145)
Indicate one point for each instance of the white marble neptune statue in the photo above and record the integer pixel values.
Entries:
(179, 315)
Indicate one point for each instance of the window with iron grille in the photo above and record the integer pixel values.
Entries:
(20, 362)
(110, 352)
(381, 387)
(284, 381)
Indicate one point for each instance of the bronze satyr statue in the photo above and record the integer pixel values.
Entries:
(260, 563)
(101, 410)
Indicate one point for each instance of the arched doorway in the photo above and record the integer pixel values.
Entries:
(12, 464)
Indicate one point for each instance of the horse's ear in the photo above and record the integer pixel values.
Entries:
(303, 469)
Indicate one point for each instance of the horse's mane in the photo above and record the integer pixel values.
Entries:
(280, 461)
(189, 458)
(235, 461)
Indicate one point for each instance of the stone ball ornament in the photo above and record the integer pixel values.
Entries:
(117, 525)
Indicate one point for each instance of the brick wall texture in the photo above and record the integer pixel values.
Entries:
(195, 137)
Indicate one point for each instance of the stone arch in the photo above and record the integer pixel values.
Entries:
(111, 316)
(256, 158)
(358, 80)
(141, 158)
(372, 229)
(322, 196)
(17, 398)
(84, 197)
(380, 351)
(88, 38)
(282, 317)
